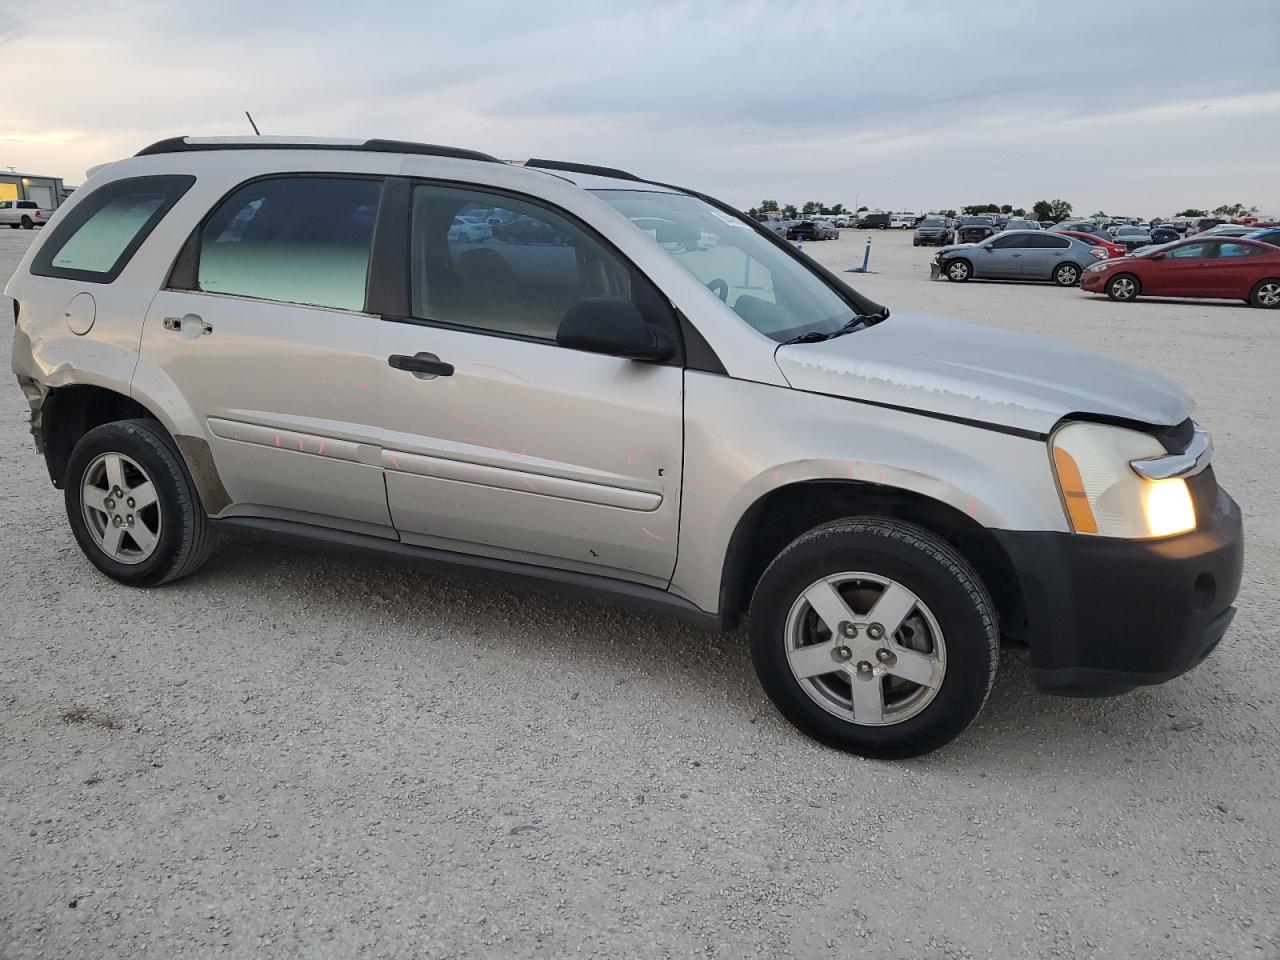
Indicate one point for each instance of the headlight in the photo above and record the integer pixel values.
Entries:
(1103, 495)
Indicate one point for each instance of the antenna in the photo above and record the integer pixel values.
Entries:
(252, 124)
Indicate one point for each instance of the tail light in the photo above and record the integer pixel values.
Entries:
(1098, 252)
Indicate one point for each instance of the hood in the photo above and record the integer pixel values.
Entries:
(975, 372)
(953, 248)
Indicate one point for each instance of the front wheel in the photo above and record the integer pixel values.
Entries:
(133, 507)
(959, 270)
(1066, 275)
(1266, 294)
(874, 636)
(1123, 287)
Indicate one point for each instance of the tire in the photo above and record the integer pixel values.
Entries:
(27, 223)
(1266, 294)
(125, 455)
(947, 637)
(959, 270)
(1124, 288)
(1066, 274)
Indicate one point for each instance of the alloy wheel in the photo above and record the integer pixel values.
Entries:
(1123, 288)
(121, 508)
(865, 648)
(1269, 293)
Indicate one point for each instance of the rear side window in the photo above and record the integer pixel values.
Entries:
(99, 235)
(1048, 243)
(293, 239)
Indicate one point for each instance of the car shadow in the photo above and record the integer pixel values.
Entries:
(696, 668)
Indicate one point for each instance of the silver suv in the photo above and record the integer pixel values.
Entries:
(623, 387)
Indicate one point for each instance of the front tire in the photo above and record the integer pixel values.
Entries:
(959, 270)
(1123, 288)
(1266, 294)
(133, 507)
(874, 636)
(1066, 275)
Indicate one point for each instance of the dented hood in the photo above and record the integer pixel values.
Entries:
(988, 374)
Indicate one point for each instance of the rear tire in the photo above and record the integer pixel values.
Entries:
(132, 505)
(27, 223)
(847, 685)
(1066, 275)
(1124, 288)
(1266, 294)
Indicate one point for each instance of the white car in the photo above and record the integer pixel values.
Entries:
(902, 221)
(272, 337)
(23, 213)
(469, 230)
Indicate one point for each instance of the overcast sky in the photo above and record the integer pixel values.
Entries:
(1131, 106)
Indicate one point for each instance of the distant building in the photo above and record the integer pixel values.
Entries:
(47, 191)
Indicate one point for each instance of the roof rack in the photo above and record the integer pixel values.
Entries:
(187, 145)
(565, 165)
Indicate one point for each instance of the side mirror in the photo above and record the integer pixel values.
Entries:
(615, 327)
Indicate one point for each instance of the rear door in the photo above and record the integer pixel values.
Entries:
(1043, 254)
(263, 334)
(519, 448)
(1235, 270)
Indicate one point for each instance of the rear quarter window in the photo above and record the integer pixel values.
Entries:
(98, 236)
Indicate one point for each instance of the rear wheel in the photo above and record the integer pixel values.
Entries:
(1123, 287)
(959, 270)
(1266, 294)
(1066, 275)
(27, 223)
(133, 507)
(874, 636)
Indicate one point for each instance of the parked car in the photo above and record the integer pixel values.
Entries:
(525, 230)
(1228, 230)
(933, 231)
(1109, 246)
(1131, 238)
(469, 230)
(1207, 223)
(1019, 223)
(1081, 226)
(1017, 255)
(774, 225)
(23, 213)
(874, 221)
(1215, 268)
(974, 229)
(1164, 233)
(812, 230)
(880, 496)
(902, 221)
(1046, 224)
(1269, 235)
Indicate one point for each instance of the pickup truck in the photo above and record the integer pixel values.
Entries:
(23, 213)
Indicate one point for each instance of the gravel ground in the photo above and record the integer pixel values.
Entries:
(299, 755)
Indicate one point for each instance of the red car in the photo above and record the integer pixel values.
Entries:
(1225, 268)
(1092, 239)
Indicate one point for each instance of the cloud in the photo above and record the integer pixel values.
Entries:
(902, 104)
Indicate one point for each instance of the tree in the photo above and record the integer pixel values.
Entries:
(1051, 210)
(768, 206)
(789, 211)
(1191, 212)
(811, 207)
(1006, 208)
(1019, 212)
(863, 209)
(835, 210)
(1234, 210)
(947, 213)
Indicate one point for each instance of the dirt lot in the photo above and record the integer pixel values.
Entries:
(294, 755)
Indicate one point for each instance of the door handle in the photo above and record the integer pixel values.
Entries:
(190, 325)
(424, 366)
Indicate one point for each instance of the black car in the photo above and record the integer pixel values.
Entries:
(975, 229)
(1164, 233)
(932, 231)
(806, 230)
(874, 221)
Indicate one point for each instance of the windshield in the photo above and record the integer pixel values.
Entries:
(763, 284)
(931, 222)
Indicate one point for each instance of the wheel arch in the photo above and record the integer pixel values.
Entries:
(69, 412)
(784, 513)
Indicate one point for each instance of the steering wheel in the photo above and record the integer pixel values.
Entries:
(720, 288)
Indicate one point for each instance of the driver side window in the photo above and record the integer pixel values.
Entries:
(1193, 251)
(1015, 242)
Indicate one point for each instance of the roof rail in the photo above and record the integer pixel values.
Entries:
(187, 145)
(583, 168)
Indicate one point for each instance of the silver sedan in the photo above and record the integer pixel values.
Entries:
(1017, 255)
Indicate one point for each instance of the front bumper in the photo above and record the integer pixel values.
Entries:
(1094, 280)
(1105, 616)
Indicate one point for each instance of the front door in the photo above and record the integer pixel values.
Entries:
(272, 351)
(500, 442)
(1000, 257)
(1182, 271)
